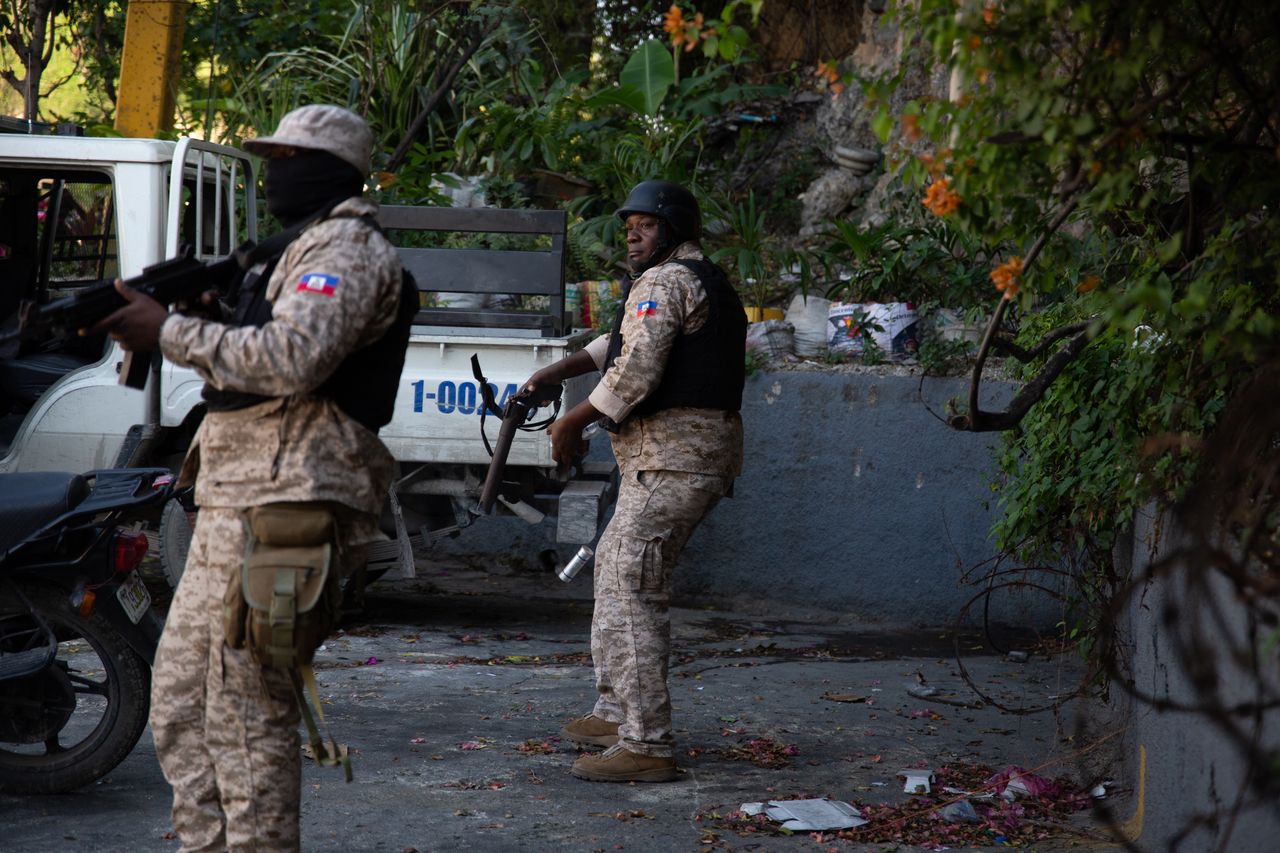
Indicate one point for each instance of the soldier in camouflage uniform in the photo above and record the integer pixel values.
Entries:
(670, 393)
(281, 427)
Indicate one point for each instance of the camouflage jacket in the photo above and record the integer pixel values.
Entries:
(697, 441)
(335, 289)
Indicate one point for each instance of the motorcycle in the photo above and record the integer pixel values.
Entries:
(77, 632)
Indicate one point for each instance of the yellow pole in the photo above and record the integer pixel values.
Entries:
(149, 65)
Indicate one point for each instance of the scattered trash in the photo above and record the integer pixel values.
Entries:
(892, 326)
(808, 317)
(808, 815)
(417, 740)
(926, 691)
(918, 781)
(1098, 792)
(1015, 782)
(961, 811)
(1027, 823)
(973, 795)
(844, 697)
(879, 784)
(773, 338)
(1019, 656)
(371, 661)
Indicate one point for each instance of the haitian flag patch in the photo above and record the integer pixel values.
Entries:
(648, 308)
(318, 282)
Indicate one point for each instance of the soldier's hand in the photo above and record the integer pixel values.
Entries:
(137, 325)
(549, 375)
(207, 307)
(566, 441)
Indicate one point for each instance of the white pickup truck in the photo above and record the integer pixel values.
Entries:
(75, 210)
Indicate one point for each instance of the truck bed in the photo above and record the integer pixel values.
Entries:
(437, 414)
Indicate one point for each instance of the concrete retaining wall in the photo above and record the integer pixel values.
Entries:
(1188, 640)
(854, 498)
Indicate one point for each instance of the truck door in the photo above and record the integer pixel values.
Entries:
(57, 235)
(212, 207)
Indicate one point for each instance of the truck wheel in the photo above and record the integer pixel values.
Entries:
(175, 541)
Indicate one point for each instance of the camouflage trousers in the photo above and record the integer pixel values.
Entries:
(226, 730)
(656, 513)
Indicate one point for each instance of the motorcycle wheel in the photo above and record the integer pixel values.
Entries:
(90, 704)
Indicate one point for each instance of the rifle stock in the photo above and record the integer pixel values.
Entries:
(514, 415)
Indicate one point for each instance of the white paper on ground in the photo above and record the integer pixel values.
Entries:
(808, 815)
(918, 781)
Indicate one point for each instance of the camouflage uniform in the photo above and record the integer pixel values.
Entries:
(225, 728)
(675, 466)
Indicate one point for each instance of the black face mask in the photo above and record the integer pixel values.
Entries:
(303, 183)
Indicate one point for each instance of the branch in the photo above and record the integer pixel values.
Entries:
(1025, 356)
(420, 121)
(968, 422)
(979, 421)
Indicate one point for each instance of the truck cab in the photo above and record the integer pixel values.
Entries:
(75, 210)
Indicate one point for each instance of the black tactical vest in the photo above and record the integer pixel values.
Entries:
(705, 369)
(364, 385)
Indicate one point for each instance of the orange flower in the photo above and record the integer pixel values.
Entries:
(1087, 283)
(674, 21)
(1007, 276)
(831, 74)
(983, 75)
(939, 198)
(989, 15)
(911, 127)
(975, 42)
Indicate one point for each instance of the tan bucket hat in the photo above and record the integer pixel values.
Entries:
(321, 127)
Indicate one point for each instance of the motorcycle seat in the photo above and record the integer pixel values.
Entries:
(28, 501)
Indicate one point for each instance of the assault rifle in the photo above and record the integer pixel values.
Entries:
(178, 279)
(520, 407)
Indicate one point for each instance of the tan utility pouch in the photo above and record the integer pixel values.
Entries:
(286, 598)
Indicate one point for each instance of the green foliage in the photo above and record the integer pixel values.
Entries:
(928, 264)
(751, 251)
(646, 77)
(1132, 147)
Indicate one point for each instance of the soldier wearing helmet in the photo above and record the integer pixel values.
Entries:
(670, 392)
(296, 388)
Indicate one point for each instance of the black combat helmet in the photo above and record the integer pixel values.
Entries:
(671, 203)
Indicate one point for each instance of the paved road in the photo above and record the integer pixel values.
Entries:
(451, 689)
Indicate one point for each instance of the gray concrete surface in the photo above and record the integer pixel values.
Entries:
(500, 661)
(854, 498)
(1191, 650)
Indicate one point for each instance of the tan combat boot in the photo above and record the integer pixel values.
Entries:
(618, 764)
(591, 731)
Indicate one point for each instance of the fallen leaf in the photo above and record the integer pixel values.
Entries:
(844, 697)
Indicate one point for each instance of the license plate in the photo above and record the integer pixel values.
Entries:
(133, 597)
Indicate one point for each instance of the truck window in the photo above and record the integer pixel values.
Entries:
(57, 234)
(214, 237)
